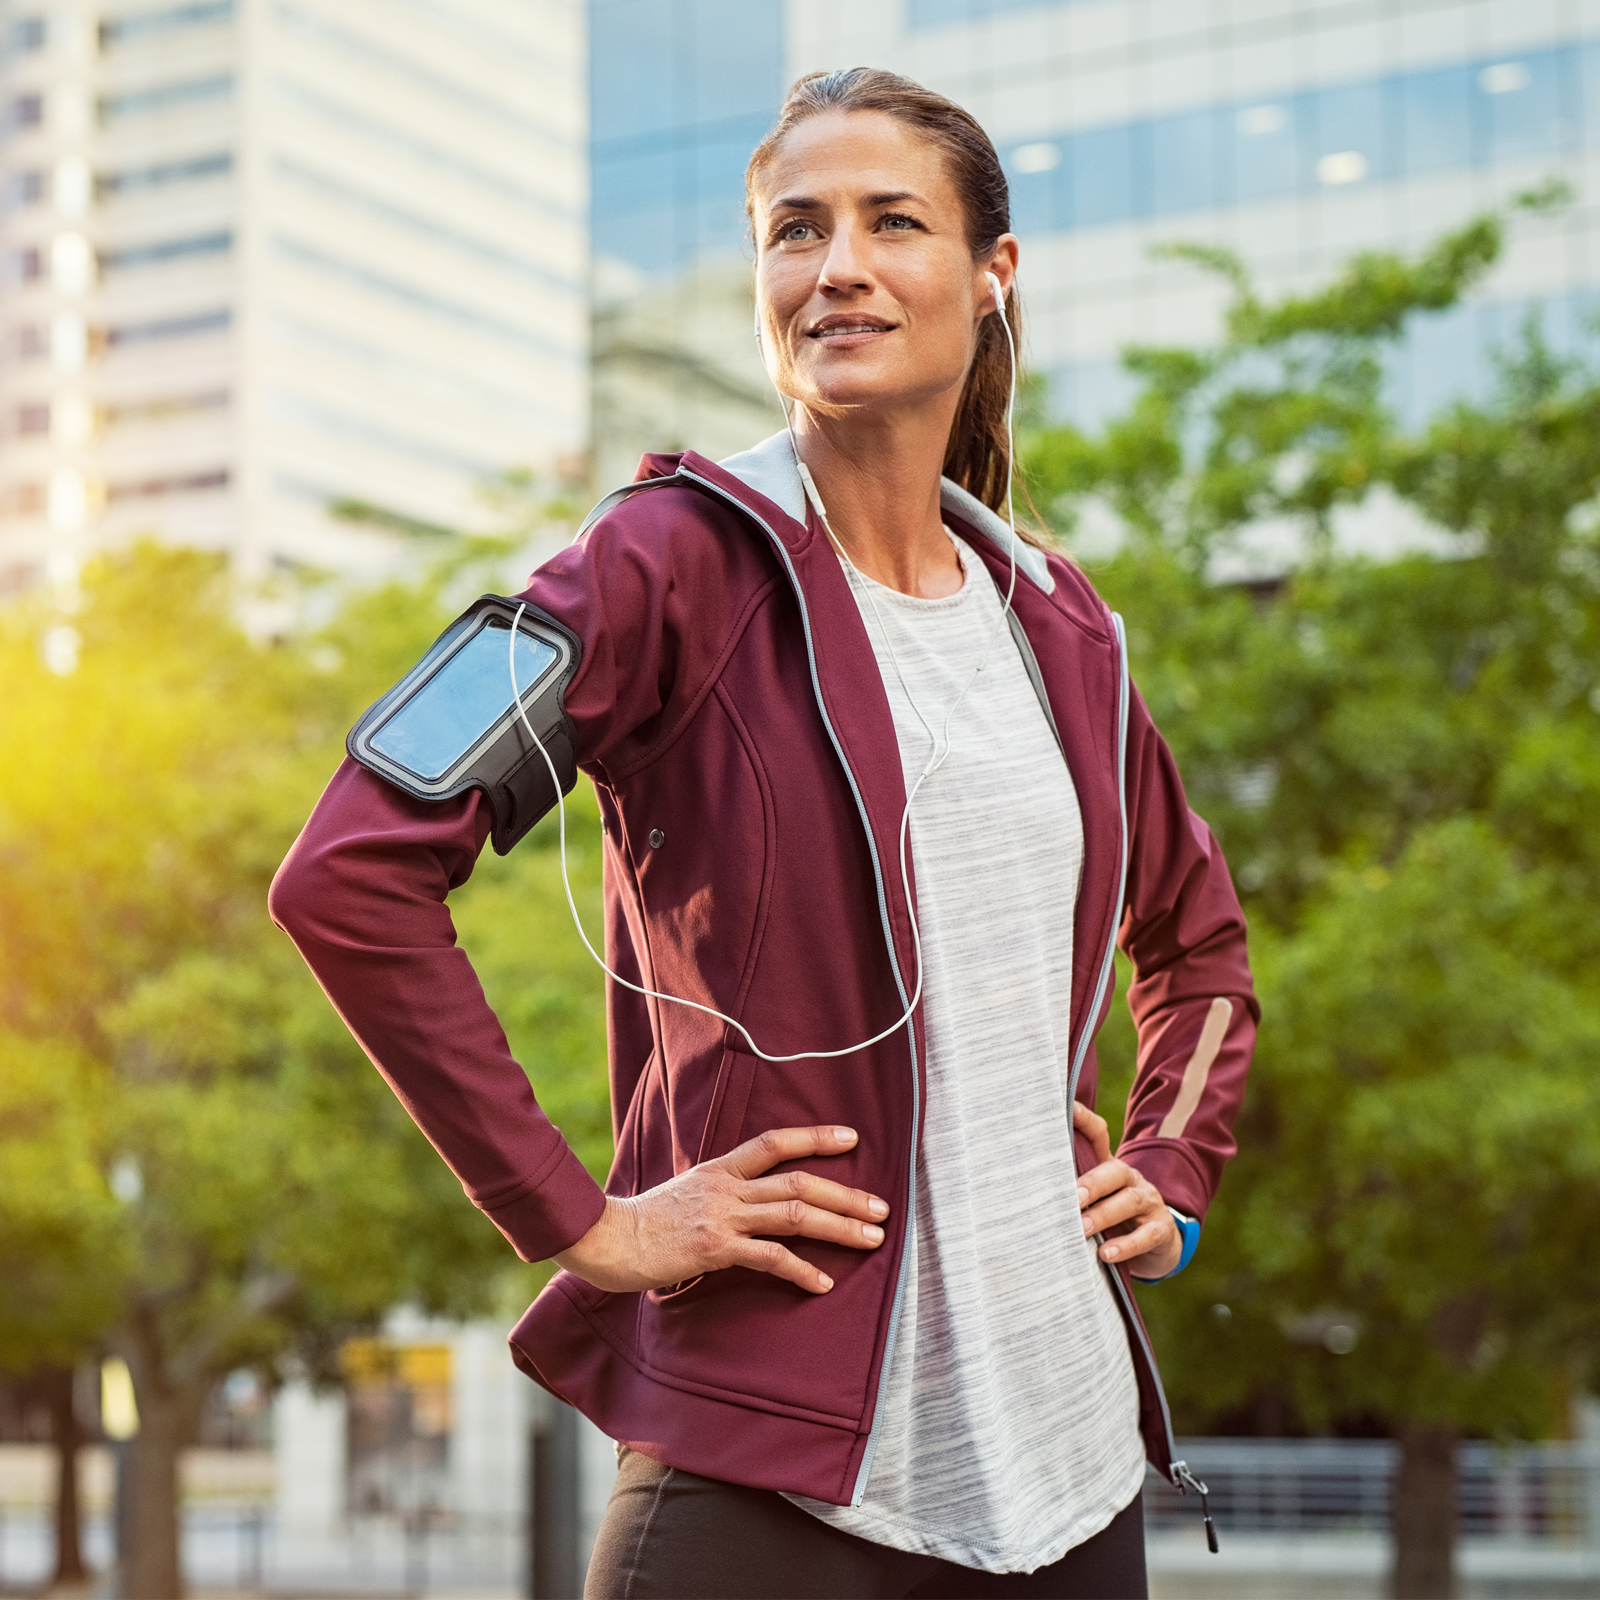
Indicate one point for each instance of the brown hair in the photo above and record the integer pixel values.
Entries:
(976, 457)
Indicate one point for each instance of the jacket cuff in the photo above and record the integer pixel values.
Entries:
(555, 1213)
(1176, 1174)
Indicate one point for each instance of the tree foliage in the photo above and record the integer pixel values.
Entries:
(1402, 758)
(198, 1167)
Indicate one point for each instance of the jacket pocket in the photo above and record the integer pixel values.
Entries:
(627, 1163)
(730, 1101)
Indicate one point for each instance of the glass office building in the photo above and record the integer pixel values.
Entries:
(679, 92)
(1292, 131)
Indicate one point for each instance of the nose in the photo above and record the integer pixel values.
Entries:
(844, 268)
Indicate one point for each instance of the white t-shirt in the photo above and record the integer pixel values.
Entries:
(1007, 1427)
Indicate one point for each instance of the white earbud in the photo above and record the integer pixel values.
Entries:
(999, 293)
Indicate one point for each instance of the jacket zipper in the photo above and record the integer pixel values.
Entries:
(1081, 1053)
(1183, 1480)
(858, 1491)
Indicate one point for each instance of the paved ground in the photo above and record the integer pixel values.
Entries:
(1248, 1568)
(1254, 1567)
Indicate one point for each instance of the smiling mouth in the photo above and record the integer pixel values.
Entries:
(846, 330)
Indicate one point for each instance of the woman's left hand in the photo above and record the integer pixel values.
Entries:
(1113, 1192)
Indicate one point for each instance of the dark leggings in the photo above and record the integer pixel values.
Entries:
(669, 1535)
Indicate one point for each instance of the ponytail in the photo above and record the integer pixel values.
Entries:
(978, 455)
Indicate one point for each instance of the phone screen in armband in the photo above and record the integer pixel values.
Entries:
(452, 723)
(435, 728)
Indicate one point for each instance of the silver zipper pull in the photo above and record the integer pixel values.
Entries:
(1185, 1482)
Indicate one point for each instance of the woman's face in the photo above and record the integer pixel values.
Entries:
(867, 293)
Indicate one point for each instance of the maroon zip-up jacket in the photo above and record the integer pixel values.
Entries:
(728, 706)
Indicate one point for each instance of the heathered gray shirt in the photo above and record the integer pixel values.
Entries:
(1007, 1429)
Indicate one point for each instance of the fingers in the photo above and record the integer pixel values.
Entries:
(1119, 1194)
(1151, 1235)
(1105, 1179)
(795, 1217)
(1114, 1192)
(767, 1255)
(1126, 1205)
(802, 1204)
(821, 1192)
(766, 1150)
(1094, 1128)
(724, 1213)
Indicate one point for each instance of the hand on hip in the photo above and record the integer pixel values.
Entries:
(1112, 1193)
(729, 1213)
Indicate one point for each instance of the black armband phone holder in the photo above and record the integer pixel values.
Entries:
(452, 723)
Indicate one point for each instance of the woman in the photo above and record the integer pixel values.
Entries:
(839, 1298)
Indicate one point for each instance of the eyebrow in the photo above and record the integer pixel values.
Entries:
(801, 202)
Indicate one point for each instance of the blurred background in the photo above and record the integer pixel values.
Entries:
(318, 317)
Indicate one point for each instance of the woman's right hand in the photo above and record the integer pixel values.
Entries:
(721, 1213)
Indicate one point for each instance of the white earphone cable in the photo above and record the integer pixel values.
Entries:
(936, 759)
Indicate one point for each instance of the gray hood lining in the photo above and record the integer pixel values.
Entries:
(769, 468)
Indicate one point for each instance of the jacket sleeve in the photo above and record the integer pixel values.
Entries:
(362, 895)
(1192, 999)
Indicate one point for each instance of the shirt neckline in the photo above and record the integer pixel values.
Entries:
(916, 602)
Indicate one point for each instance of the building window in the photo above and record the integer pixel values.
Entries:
(680, 94)
(163, 407)
(939, 13)
(21, 189)
(24, 265)
(158, 488)
(153, 24)
(33, 418)
(18, 578)
(24, 499)
(167, 328)
(29, 343)
(25, 111)
(25, 35)
(162, 250)
(165, 96)
(164, 173)
(1544, 104)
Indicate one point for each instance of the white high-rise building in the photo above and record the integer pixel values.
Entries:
(262, 257)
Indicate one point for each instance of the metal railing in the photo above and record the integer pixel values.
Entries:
(1528, 1492)
(1542, 1495)
(246, 1547)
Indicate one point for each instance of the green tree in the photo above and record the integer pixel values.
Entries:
(60, 1248)
(1402, 758)
(206, 1172)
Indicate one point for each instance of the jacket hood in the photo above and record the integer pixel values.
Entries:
(769, 468)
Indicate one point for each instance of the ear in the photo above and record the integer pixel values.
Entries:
(1001, 269)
